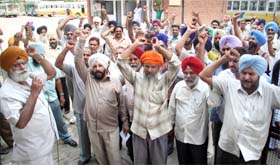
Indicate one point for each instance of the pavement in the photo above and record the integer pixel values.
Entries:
(66, 155)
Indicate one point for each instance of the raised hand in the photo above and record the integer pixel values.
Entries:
(70, 44)
(232, 54)
(36, 86)
(236, 16)
(130, 16)
(191, 29)
(31, 51)
(270, 38)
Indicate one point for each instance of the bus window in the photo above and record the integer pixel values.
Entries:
(244, 5)
(235, 5)
(262, 5)
(229, 5)
(253, 5)
(271, 6)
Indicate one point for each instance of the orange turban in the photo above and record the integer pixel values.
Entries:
(10, 55)
(151, 57)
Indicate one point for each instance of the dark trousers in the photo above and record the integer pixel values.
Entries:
(5, 131)
(129, 144)
(224, 157)
(216, 129)
(192, 154)
(66, 95)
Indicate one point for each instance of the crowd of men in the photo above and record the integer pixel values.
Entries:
(213, 89)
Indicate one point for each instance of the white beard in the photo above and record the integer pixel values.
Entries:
(19, 76)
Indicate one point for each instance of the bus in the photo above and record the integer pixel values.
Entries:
(51, 8)
(9, 9)
(264, 9)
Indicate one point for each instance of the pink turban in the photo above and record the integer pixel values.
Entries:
(230, 40)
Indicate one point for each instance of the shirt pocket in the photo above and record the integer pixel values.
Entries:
(111, 97)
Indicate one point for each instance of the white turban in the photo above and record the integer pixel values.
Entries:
(99, 57)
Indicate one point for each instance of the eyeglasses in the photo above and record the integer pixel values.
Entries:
(270, 29)
(225, 49)
(52, 39)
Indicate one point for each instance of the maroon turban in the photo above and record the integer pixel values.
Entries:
(138, 52)
(195, 64)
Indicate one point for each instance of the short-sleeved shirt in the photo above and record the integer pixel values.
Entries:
(36, 139)
(246, 117)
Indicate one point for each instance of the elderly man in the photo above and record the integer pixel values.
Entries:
(42, 35)
(248, 104)
(103, 104)
(150, 124)
(25, 107)
(79, 99)
(135, 64)
(189, 113)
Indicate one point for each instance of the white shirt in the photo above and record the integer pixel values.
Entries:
(246, 117)
(36, 139)
(189, 112)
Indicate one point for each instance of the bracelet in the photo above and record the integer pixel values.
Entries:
(61, 94)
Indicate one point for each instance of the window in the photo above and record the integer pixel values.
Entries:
(235, 5)
(262, 6)
(271, 6)
(253, 5)
(108, 5)
(278, 6)
(244, 5)
(229, 5)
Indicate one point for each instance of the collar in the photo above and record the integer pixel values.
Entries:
(196, 87)
(259, 90)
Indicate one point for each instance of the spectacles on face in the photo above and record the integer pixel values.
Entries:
(270, 29)
(226, 49)
(52, 39)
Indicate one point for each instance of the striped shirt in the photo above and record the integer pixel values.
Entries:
(150, 100)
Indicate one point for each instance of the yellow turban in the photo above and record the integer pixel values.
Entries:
(151, 57)
(10, 55)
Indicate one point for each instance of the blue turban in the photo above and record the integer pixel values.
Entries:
(230, 40)
(184, 29)
(208, 44)
(261, 21)
(39, 47)
(162, 37)
(272, 25)
(258, 36)
(112, 23)
(257, 62)
(135, 22)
